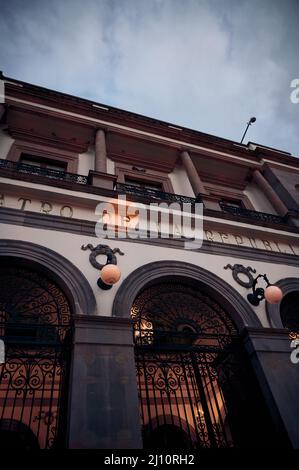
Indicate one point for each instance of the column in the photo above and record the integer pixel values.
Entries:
(100, 151)
(104, 404)
(267, 189)
(270, 354)
(192, 173)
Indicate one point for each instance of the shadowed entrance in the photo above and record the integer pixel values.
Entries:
(196, 388)
(35, 324)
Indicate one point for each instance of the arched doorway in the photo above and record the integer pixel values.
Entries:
(289, 311)
(36, 326)
(194, 381)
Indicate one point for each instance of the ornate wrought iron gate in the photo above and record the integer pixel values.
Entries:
(195, 387)
(35, 324)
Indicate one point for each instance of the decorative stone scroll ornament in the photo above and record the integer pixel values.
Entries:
(238, 269)
(110, 273)
(272, 293)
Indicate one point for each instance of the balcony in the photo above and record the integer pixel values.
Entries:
(10, 168)
(253, 215)
(154, 195)
(146, 195)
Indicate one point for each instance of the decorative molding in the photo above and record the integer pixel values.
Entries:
(137, 160)
(156, 272)
(101, 250)
(60, 269)
(240, 269)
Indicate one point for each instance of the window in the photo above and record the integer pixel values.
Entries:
(42, 162)
(36, 155)
(144, 184)
(148, 182)
(233, 203)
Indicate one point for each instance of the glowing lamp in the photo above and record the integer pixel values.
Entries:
(110, 274)
(273, 294)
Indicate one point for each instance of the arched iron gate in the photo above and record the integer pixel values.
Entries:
(35, 324)
(196, 389)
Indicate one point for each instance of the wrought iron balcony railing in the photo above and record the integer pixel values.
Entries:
(251, 214)
(24, 168)
(154, 194)
(148, 194)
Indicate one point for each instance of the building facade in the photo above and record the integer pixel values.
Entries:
(173, 355)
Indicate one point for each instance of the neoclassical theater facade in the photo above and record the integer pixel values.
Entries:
(173, 355)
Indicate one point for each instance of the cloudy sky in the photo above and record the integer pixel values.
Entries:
(204, 64)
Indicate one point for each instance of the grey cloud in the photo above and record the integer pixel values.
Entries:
(208, 65)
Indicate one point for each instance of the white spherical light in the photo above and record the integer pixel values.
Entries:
(273, 294)
(110, 274)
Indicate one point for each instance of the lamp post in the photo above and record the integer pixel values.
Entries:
(251, 121)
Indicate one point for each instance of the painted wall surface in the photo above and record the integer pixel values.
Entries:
(260, 202)
(110, 166)
(86, 161)
(180, 182)
(136, 255)
(5, 143)
(289, 180)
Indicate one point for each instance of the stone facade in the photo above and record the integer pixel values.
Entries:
(250, 218)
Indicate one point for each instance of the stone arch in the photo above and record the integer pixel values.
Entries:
(287, 285)
(61, 270)
(239, 309)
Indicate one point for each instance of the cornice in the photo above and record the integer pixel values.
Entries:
(86, 107)
(91, 109)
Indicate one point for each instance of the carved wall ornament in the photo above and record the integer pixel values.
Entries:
(101, 250)
(238, 269)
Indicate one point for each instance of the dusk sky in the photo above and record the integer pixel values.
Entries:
(204, 64)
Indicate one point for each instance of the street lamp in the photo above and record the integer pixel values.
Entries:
(251, 121)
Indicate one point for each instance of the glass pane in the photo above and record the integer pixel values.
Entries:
(144, 184)
(27, 161)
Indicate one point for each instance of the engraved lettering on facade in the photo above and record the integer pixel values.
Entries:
(66, 211)
(24, 202)
(46, 207)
